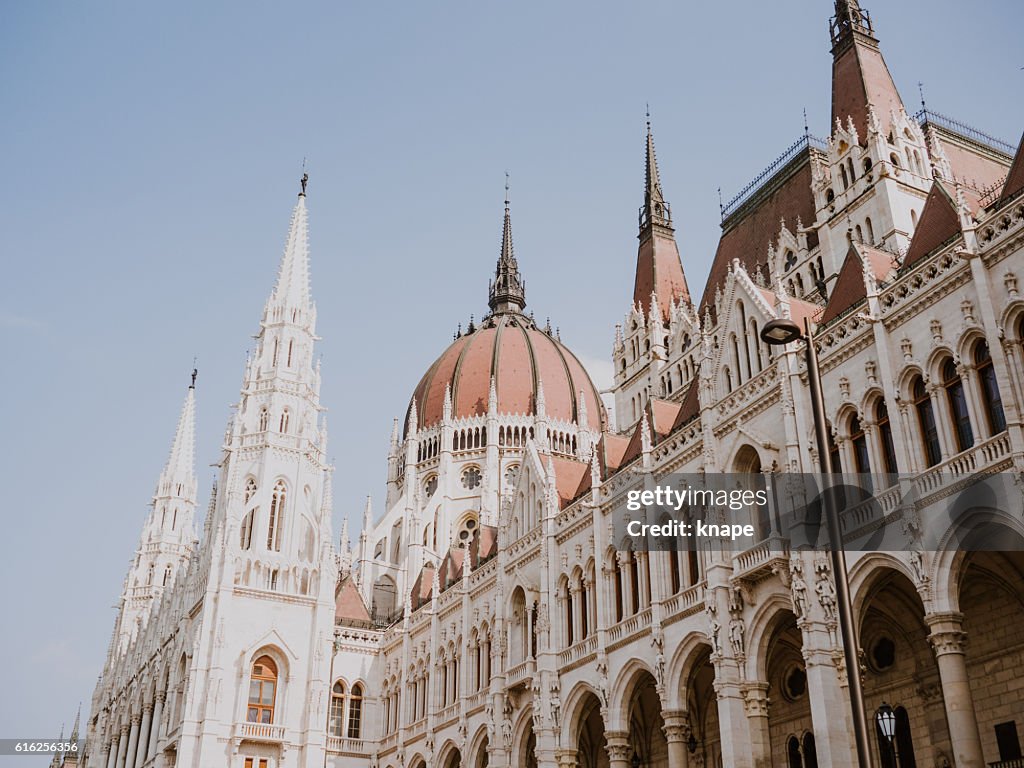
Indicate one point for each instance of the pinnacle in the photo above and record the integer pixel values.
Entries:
(181, 461)
(292, 287)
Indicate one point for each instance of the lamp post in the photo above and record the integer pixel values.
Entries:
(779, 333)
(886, 720)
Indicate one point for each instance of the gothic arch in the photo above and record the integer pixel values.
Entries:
(686, 657)
(953, 555)
(966, 341)
(866, 570)
(775, 609)
(632, 674)
(449, 756)
(1010, 319)
(938, 355)
(477, 746)
(873, 394)
(906, 377)
(576, 705)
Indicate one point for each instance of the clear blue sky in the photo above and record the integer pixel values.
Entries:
(150, 157)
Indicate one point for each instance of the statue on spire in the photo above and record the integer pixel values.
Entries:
(303, 181)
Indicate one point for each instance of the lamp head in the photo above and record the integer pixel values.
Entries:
(886, 719)
(781, 331)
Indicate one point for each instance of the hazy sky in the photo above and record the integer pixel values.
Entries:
(150, 159)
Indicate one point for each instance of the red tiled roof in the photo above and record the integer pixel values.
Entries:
(570, 475)
(663, 417)
(860, 78)
(423, 586)
(518, 355)
(451, 567)
(849, 289)
(659, 271)
(689, 409)
(484, 544)
(610, 451)
(1015, 179)
(747, 237)
(348, 603)
(975, 169)
(938, 222)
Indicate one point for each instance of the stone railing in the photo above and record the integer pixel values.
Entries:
(760, 558)
(389, 742)
(260, 732)
(519, 672)
(630, 625)
(337, 744)
(477, 700)
(577, 651)
(416, 729)
(977, 459)
(446, 715)
(687, 600)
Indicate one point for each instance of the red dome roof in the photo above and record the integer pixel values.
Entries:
(510, 348)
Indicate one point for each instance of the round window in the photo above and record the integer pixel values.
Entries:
(471, 478)
(883, 654)
(794, 683)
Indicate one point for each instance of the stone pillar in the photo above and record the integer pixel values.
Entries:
(122, 747)
(627, 583)
(948, 640)
(943, 420)
(831, 718)
(154, 733)
(111, 753)
(619, 750)
(133, 743)
(566, 758)
(755, 699)
(732, 721)
(147, 717)
(677, 731)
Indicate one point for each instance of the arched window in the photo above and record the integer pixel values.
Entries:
(167, 575)
(885, 435)
(954, 387)
(284, 421)
(904, 742)
(336, 718)
(810, 752)
(291, 345)
(264, 419)
(262, 690)
(926, 422)
(355, 712)
(989, 389)
(871, 230)
(793, 753)
(861, 460)
(833, 451)
(277, 501)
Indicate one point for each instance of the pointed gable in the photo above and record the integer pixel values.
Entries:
(570, 476)
(611, 449)
(849, 289)
(349, 605)
(423, 587)
(689, 409)
(1015, 179)
(938, 223)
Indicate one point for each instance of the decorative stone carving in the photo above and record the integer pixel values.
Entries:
(826, 591)
(798, 588)
(736, 632)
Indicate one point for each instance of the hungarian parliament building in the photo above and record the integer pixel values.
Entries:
(487, 615)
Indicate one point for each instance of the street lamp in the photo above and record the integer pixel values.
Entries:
(778, 333)
(886, 719)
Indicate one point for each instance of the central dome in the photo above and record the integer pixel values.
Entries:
(519, 356)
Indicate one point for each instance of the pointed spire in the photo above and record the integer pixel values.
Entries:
(446, 410)
(655, 210)
(74, 728)
(292, 288)
(541, 406)
(507, 292)
(343, 540)
(492, 397)
(413, 422)
(368, 514)
(659, 270)
(180, 467)
(394, 436)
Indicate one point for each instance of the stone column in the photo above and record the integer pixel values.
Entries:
(677, 731)
(755, 699)
(111, 753)
(948, 640)
(566, 758)
(619, 750)
(133, 743)
(122, 747)
(154, 733)
(737, 749)
(627, 583)
(147, 717)
(831, 718)
(943, 420)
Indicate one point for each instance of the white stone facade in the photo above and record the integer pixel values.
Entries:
(556, 646)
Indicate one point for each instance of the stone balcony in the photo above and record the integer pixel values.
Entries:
(521, 673)
(337, 745)
(267, 733)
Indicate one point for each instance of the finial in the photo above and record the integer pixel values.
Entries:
(807, 130)
(195, 372)
(721, 205)
(304, 180)
(648, 108)
(920, 91)
(506, 190)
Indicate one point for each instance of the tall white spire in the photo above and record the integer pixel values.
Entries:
(292, 288)
(181, 463)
